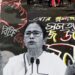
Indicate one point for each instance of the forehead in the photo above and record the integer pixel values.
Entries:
(33, 26)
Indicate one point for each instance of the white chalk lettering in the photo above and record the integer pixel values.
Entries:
(8, 31)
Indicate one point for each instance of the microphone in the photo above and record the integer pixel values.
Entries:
(32, 61)
(37, 63)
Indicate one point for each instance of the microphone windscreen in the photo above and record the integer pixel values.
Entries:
(32, 60)
(37, 61)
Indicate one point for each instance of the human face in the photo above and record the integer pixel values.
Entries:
(33, 36)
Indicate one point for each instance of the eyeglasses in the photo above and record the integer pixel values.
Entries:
(35, 33)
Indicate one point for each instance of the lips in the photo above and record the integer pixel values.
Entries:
(31, 42)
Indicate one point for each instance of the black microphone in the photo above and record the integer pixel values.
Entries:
(32, 61)
(37, 62)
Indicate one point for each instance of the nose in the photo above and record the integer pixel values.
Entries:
(31, 36)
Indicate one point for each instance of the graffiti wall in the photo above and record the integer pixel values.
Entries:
(59, 25)
(61, 36)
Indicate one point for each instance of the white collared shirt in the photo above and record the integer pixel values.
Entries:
(50, 64)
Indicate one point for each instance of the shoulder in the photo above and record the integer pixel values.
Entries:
(14, 61)
(16, 58)
(14, 65)
(53, 58)
(56, 63)
(51, 55)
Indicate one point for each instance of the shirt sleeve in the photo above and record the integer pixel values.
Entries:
(60, 66)
(7, 70)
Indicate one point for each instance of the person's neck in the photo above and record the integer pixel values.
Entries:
(35, 53)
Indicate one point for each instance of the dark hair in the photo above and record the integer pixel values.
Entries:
(41, 24)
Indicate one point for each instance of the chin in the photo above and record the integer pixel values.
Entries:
(32, 46)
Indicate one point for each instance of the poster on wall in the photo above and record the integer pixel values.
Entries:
(59, 24)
